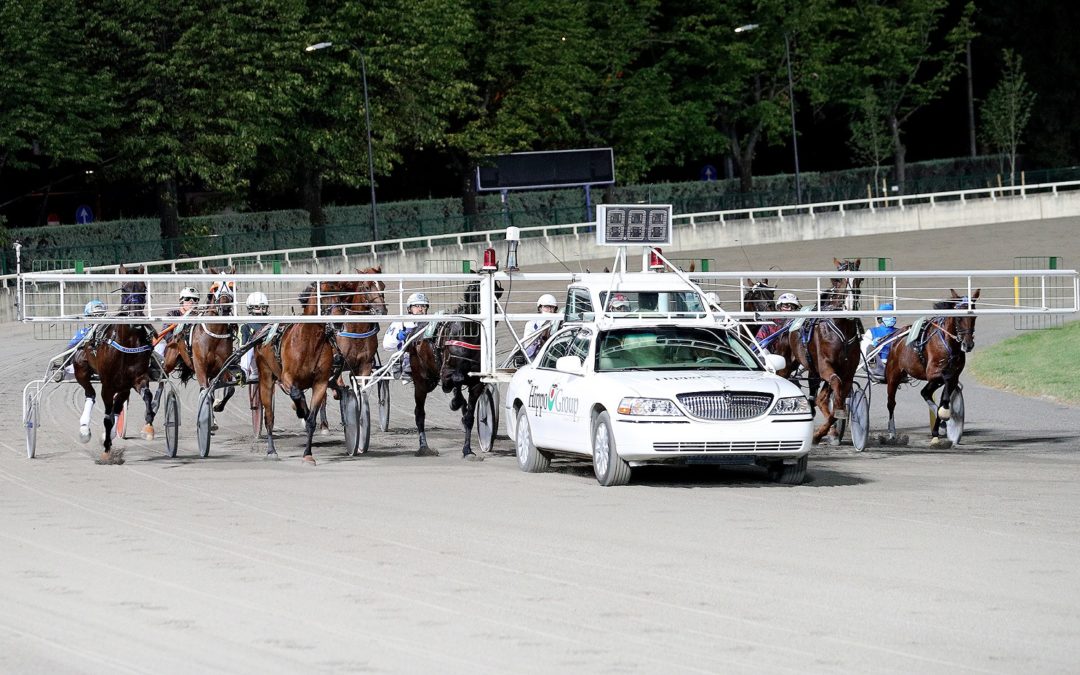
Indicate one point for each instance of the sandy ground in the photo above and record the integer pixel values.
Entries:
(894, 559)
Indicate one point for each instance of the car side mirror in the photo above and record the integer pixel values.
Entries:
(774, 362)
(569, 364)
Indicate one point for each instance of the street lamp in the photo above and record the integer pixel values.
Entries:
(791, 99)
(367, 120)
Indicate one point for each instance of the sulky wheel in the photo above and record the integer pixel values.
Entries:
(30, 420)
(204, 421)
(383, 389)
(172, 423)
(858, 405)
(954, 426)
(487, 424)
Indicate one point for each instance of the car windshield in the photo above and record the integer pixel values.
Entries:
(672, 348)
(653, 302)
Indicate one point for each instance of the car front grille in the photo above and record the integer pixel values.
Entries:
(748, 447)
(726, 406)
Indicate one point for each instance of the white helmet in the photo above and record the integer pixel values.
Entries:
(547, 300)
(416, 299)
(257, 303)
(787, 299)
(189, 293)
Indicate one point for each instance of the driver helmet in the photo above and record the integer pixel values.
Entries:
(416, 299)
(620, 303)
(547, 300)
(95, 308)
(889, 321)
(189, 293)
(787, 300)
(257, 303)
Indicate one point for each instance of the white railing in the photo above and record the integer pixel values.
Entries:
(382, 247)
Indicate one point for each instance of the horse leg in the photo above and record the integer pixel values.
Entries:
(266, 395)
(82, 375)
(318, 405)
(458, 400)
(148, 401)
(468, 417)
(220, 405)
(420, 398)
(324, 425)
(107, 398)
(822, 400)
(927, 393)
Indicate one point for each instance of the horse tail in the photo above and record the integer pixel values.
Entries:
(186, 372)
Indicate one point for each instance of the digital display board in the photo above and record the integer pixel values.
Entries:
(633, 224)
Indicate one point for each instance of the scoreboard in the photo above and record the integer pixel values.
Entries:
(633, 224)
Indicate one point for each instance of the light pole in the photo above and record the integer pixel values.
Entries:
(791, 100)
(367, 121)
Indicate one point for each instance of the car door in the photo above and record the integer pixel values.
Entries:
(544, 390)
(572, 397)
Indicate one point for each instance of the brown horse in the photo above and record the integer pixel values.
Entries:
(945, 343)
(358, 338)
(830, 355)
(120, 355)
(306, 362)
(205, 347)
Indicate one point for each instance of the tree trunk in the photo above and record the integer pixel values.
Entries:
(469, 203)
(169, 213)
(899, 153)
(311, 196)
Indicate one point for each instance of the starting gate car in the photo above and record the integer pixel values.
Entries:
(631, 391)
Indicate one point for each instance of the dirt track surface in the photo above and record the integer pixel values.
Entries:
(900, 559)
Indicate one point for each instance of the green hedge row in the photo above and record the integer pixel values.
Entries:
(137, 239)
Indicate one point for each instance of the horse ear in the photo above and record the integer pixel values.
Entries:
(975, 295)
(836, 262)
(858, 263)
(121, 269)
(377, 269)
(954, 293)
(691, 265)
(765, 282)
(606, 270)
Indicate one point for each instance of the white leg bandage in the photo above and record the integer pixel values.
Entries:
(88, 406)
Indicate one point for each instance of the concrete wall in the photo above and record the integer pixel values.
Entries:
(569, 248)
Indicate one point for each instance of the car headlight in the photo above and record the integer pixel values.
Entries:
(792, 405)
(660, 407)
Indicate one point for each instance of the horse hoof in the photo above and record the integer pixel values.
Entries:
(840, 414)
(456, 403)
(325, 431)
(472, 457)
(148, 432)
(944, 413)
(830, 440)
(939, 442)
(272, 455)
(309, 460)
(425, 451)
(84, 434)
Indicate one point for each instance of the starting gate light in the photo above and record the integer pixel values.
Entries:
(490, 264)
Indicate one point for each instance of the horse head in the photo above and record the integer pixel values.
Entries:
(964, 326)
(321, 302)
(854, 284)
(132, 293)
(222, 293)
(370, 298)
(759, 296)
(838, 296)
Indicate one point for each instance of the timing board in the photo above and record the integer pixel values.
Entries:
(633, 225)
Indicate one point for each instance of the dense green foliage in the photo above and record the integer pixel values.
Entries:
(172, 98)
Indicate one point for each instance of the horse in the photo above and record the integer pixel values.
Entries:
(120, 355)
(301, 358)
(851, 302)
(831, 355)
(205, 347)
(945, 343)
(759, 296)
(357, 339)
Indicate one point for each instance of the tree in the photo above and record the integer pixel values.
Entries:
(870, 141)
(54, 106)
(901, 52)
(198, 81)
(1007, 110)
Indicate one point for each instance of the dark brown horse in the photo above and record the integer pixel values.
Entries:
(831, 356)
(945, 342)
(306, 361)
(459, 345)
(120, 355)
(205, 347)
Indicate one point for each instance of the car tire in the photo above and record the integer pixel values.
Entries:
(609, 467)
(530, 460)
(788, 474)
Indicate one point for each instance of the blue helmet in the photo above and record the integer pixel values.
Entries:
(95, 308)
(889, 321)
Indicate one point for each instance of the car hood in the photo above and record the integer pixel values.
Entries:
(665, 384)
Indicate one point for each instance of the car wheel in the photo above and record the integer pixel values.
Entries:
(788, 474)
(529, 458)
(610, 469)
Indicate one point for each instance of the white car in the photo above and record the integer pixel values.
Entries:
(636, 391)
